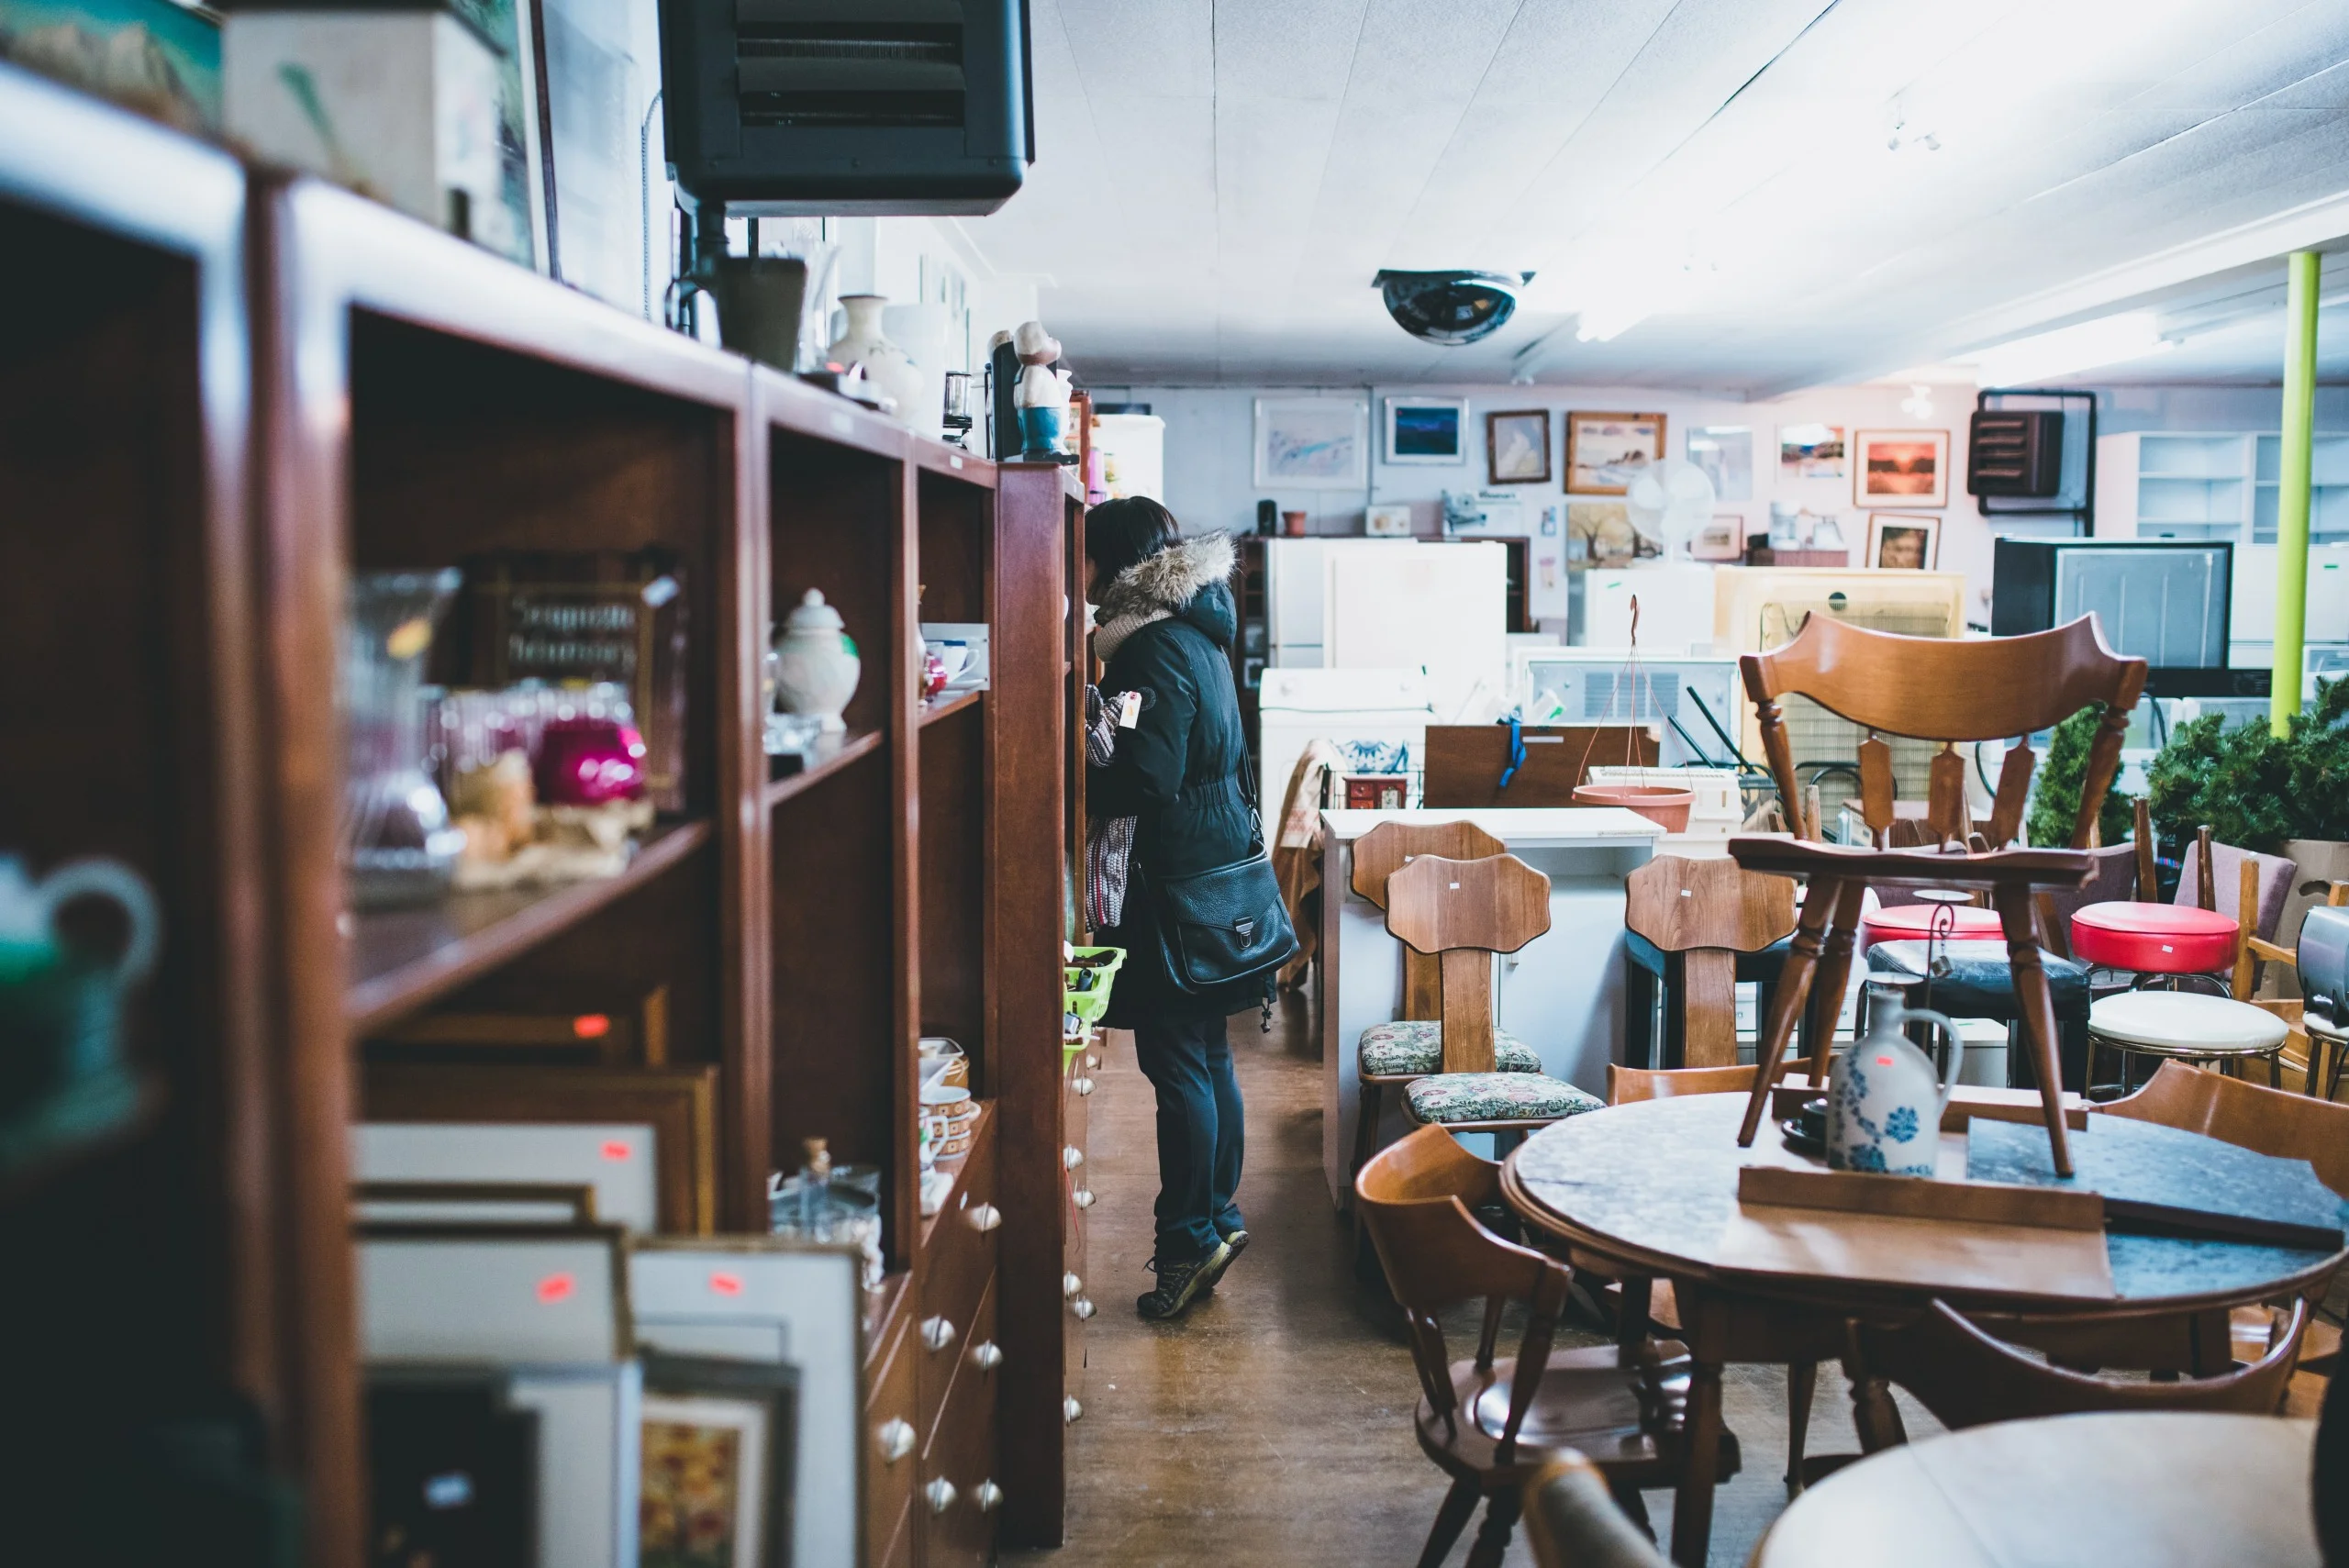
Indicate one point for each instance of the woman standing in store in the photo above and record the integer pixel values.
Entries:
(1164, 626)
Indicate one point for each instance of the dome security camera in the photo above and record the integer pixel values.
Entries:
(1452, 307)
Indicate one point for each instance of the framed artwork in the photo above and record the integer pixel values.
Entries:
(1722, 539)
(679, 1103)
(1518, 447)
(1606, 452)
(718, 1445)
(525, 133)
(1901, 468)
(1903, 541)
(617, 1162)
(1811, 452)
(1313, 444)
(157, 57)
(472, 1203)
(1726, 454)
(1605, 531)
(452, 1468)
(616, 1030)
(1427, 430)
(795, 1307)
(509, 1295)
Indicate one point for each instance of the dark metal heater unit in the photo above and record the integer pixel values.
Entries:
(2015, 451)
(782, 107)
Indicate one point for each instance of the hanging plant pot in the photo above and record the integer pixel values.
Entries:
(1664, 805)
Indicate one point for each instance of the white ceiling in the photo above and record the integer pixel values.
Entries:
(1217, 183)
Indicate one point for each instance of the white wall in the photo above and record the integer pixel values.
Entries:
(1211, 434)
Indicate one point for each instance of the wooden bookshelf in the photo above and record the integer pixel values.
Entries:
(255, 388)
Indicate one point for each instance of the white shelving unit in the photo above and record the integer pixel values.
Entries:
(2215, 486)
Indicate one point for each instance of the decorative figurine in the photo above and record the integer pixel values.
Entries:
(816, 666)
(1044, 397)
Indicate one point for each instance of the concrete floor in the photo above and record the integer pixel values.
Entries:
(1273, 1425)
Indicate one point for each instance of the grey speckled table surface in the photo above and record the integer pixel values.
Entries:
(1658, 1178)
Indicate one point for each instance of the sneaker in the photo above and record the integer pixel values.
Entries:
(1179, 1284)
(1234, 1244)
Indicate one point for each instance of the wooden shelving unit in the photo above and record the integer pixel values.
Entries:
(235, 391)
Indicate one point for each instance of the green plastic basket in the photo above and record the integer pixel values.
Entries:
(1090, 1005)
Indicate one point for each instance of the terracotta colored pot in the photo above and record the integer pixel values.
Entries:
(1666, 807)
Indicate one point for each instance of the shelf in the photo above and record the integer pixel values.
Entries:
(952, 705)
(954, 462)
(828, 762)
(954, 1166)
(402, 958)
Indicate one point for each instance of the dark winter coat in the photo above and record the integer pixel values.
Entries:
(1179, 770)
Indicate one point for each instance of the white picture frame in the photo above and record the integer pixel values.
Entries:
(1726, 454)
(1427, 432)
(1313, 444)
(1904, 533)
(508, 1294)
(620, 1160)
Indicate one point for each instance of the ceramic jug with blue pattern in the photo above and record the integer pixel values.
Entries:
(1885, 1102)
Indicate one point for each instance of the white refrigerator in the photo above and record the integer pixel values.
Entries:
(1392, 604)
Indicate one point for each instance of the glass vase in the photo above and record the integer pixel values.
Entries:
(397, 844)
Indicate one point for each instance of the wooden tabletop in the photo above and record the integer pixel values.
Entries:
(2152, 1491)
(1652, 1186)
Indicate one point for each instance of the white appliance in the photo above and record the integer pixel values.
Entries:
(1296, 573)
(1442, 609)
(1588, 685)
(2251, 632)
(1675, 607)
(1133, 453)
(1295, 707)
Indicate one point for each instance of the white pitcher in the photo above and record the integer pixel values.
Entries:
(1884, 1104)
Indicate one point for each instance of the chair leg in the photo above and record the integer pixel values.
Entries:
(1459, 1504)
(1802, 1381)
(1500, 1521)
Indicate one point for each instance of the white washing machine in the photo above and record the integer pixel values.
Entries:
(1295, 707)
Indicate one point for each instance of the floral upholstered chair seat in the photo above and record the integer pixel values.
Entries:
(1447, 1097)
(1416, 1045)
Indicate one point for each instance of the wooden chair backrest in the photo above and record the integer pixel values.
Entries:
(1626, 1086)
(1415, 1197)
(2267, 1121)
(1966, 1378)
(1463, 912)
(1571, 1520)
(1387, 849)
(1710, 910)
(1932, 688)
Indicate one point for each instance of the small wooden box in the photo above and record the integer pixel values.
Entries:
(1375, 791)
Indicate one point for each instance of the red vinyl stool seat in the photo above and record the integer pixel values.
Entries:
(2153, 938)
(1914, 923)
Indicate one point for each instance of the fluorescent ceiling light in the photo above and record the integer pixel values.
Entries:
(2043, 356)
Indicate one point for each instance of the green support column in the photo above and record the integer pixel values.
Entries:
(2292, 494)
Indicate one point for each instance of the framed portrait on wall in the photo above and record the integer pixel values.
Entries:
(1313, 444)
(1606, 452)
(1516, 446)
(1901, 468)
(1904, 541)
(1431, 431)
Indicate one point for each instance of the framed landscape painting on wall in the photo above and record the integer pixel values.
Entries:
(1518, 447)
(1901, 468)
(1427, 430)
(1606, 452)
(1313, 444)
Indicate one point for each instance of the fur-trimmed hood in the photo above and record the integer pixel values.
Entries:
(1190, 581)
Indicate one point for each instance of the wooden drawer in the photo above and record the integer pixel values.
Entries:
(958, 1526)
(938, 1372)
(958, 1257)
(891, 1441)
(901, 1545)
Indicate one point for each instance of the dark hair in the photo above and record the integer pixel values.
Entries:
(1125, 532)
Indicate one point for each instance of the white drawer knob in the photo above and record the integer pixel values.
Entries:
(1071, 1156)
(1072, 1287)
(986, 1355)
(1084, 1086)
(1071, 1410)
(937, 1333)
(897, 1439)
(1082, 1197)
(1083, 1308)
(984, 1216)
(988, 1497)
(941, 1494)
(1093, 1060)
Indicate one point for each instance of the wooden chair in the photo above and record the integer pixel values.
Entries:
(2269, 1122)
(1462, 913)
(1930, 688)
(1966, 1378)
(1711, 923)
(1411, 1046)
(1572, 1522)
(1492, 1422)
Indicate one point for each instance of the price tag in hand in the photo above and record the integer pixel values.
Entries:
(1129, 709)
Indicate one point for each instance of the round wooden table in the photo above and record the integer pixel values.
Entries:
(2152, 1491)
(1651, 1189)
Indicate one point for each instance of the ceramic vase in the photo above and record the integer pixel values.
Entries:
(816, 664)
(1884, 1101)
(889, 368)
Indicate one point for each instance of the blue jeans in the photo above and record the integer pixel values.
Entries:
(1202, 1133)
